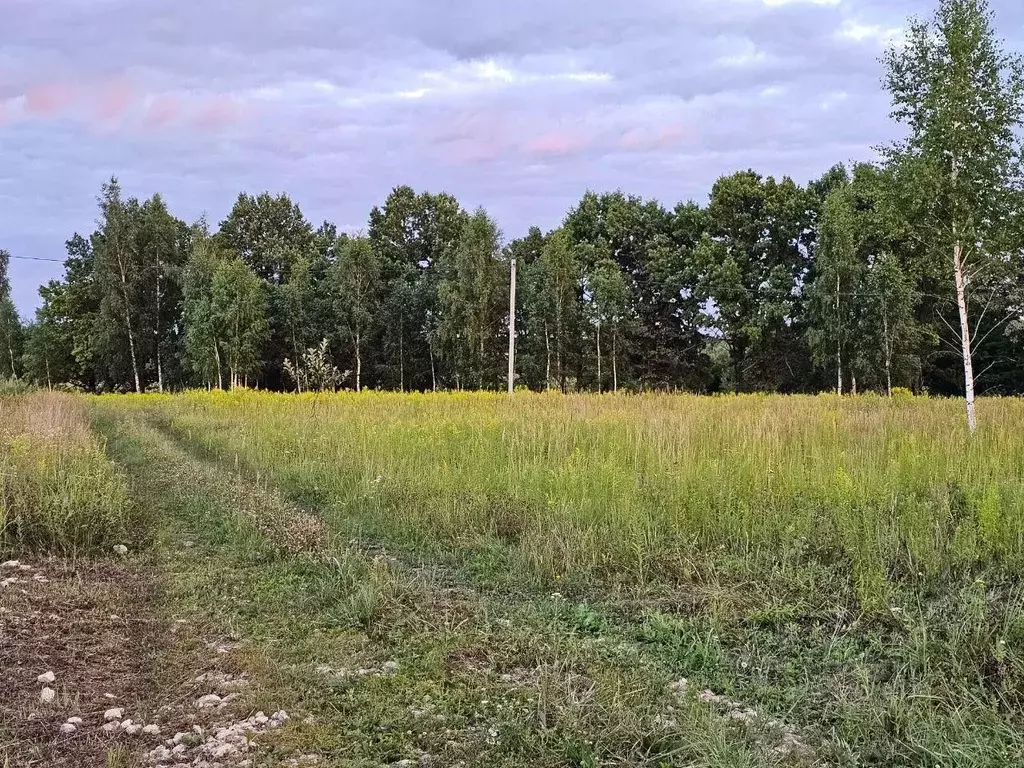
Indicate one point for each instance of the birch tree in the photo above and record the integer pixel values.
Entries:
(238, 299)
(961, 98)
(121, 276)
(473, 300)
(834, 302)
(356, 282)
(609, 297)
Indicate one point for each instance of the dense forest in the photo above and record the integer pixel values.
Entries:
(871, 277)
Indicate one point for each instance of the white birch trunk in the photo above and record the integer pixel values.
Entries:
(965, 334)
(359, 365)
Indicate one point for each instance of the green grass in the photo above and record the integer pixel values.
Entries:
(480, 677)
(58, 491)
(546, 567)
(639, 488)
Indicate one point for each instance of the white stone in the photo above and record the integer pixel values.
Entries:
(160, 754)
(131, 730)
(112, 726)
(151, 730)
(389, 667)
(11, 564)
(47, 695)
(207, 701)
(121, 550)
(75, 720)
(278, 718)
(223, 750)
(68, 728)
(47, 678)
(113, 714)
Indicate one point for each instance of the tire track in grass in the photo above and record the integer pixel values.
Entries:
(387, 664)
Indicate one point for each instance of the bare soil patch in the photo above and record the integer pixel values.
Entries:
(93, 625)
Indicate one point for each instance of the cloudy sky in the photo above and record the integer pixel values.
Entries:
(517, 106)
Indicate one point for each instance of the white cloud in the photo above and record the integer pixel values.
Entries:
(870, 33)
(488, 74)
(746, 55)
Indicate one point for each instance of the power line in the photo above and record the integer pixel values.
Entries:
(38, 258)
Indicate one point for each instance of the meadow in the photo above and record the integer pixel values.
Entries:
(647, 488)
(473, 579)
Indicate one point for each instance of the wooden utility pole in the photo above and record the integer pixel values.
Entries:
(512, 329)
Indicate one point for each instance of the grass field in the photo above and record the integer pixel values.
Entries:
(468, 579)
(644, 488)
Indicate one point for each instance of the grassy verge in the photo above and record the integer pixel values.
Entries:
(58, 492)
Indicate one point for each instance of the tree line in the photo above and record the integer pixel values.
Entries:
(902, 273)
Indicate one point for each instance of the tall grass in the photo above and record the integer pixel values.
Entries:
(641, 486)
(58, 492)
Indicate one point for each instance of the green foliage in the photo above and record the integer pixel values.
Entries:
(748, 263)
(238, 310)
(473, 302)
(356, 280)
(314, 372)
(958, 175)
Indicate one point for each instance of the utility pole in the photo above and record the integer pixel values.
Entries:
(512, 329)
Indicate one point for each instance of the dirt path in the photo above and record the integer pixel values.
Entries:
(87, 636)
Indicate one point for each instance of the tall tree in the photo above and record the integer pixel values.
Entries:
(121, 281)
(531, 333)
(203, 331)
(11, 338)
(889, 330)
(10, 325)
(355, 277)
(5, 277)
(835, 296)
(162, 242)
(473, 296)
(557, 278)
(239, 314)
(267, 233)
(271, 236)
(412, 234)
(296, 300)
(749, 266)
(961, 97)
(609, 295)
(63, 343)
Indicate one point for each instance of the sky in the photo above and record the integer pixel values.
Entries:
(516, 106)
